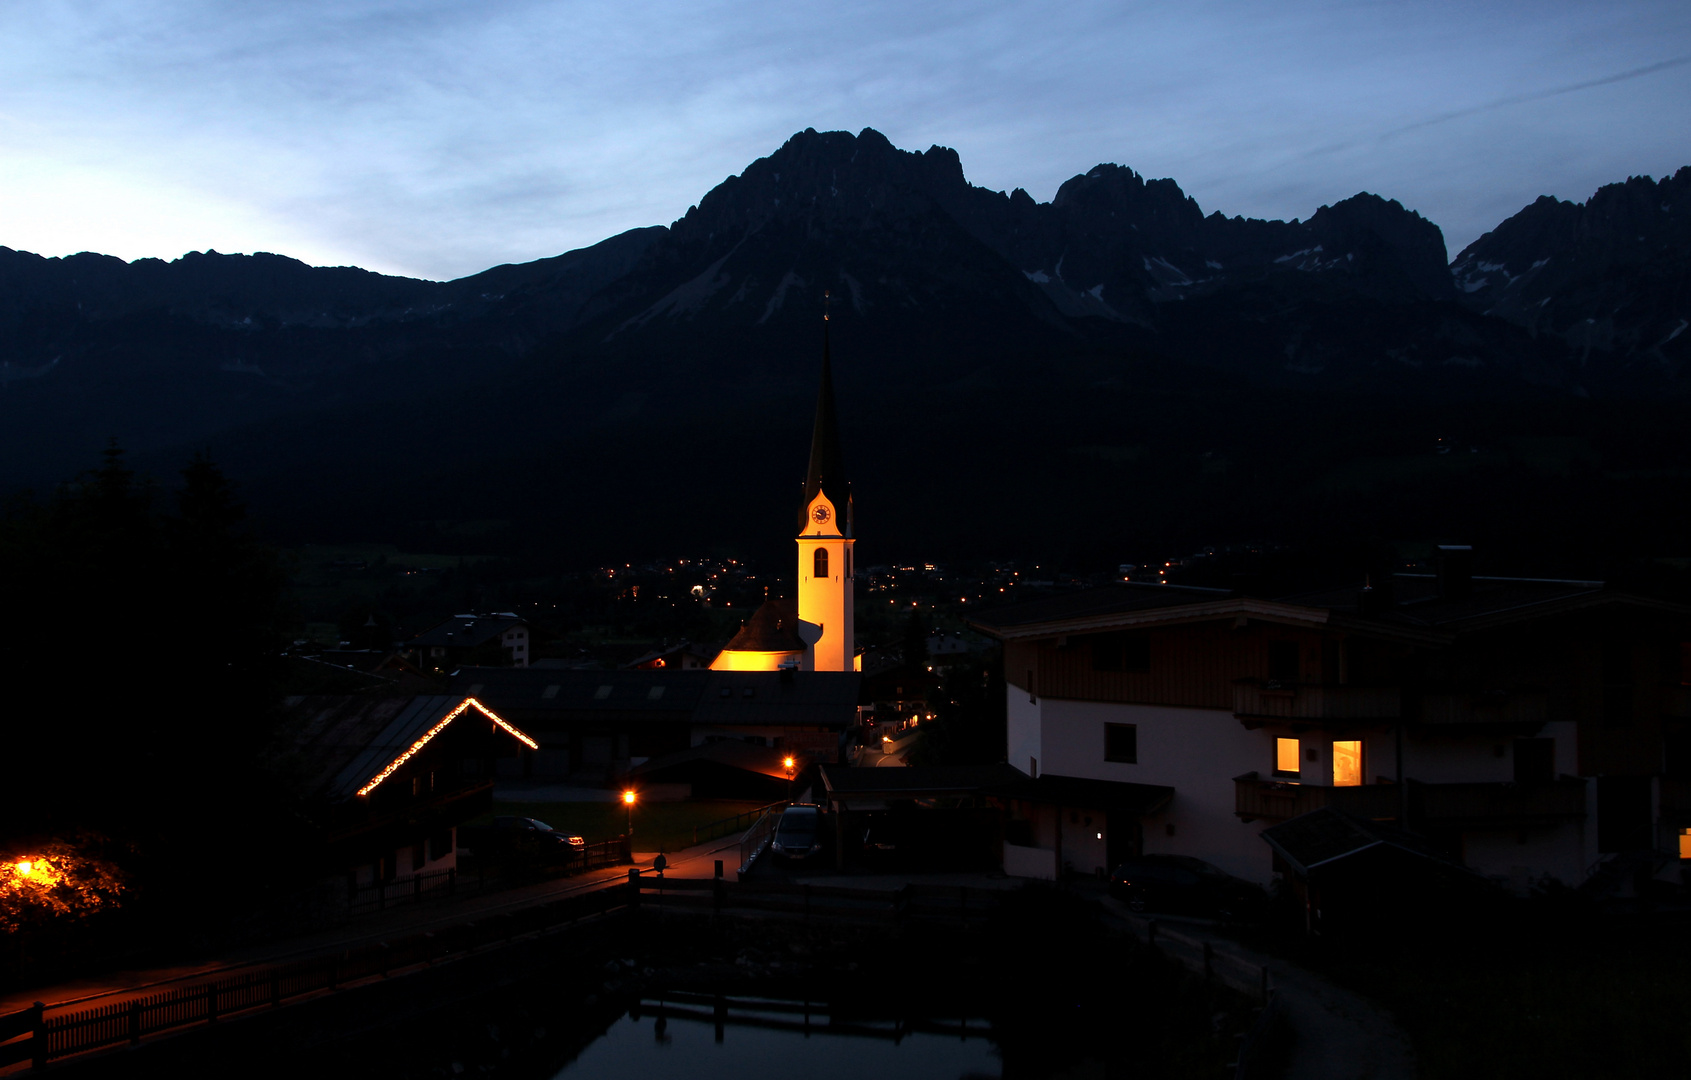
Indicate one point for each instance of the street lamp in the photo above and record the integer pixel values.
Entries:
(789, 764)
(628, 801)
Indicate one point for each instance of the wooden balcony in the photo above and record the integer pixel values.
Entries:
(1257, 701)
(1509, 708)
(1499, 804)
(1277, 800)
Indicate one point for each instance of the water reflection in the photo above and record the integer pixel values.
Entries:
(764, 1037)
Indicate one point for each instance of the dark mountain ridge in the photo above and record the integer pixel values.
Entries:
(1611, 277)
(1205, 369)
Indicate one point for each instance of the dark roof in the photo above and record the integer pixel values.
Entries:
(468, 630)
(773, 627)
(916, 781)
(1420, 613)
(1087, 793)
(826, 473)
(665, 690)
(338, 743)
(728, 752)
(734, 698)
(1327, 836)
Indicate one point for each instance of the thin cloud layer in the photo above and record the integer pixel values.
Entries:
(436, 138)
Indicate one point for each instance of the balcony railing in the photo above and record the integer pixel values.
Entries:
(1452, 805)
(1498, 804)
(1527, 708)
(1277, 800)
(1261, 700)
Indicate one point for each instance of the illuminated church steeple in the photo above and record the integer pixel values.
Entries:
(825, 594)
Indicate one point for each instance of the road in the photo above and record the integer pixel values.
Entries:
(122, 984)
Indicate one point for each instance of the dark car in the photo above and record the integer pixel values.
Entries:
(798, 835)
(1180, 883)
(507, 833)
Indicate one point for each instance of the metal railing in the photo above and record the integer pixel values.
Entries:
(1276, 800)
(757, 837)
(717, 829)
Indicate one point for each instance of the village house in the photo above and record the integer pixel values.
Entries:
(501, 638)
(1530, 729)
(386, 781)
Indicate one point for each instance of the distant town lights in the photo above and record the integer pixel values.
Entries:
(24, 867)
(467, 703)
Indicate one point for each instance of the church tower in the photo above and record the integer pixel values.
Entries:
(825, 594)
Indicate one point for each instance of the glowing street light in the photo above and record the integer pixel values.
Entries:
(628, 801)
(788, 763)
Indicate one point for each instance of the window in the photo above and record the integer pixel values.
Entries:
(820, 569)
(419, 856)
(1121, 743)
(1033, 699)
(440, 844)
(1283, 661)
(1347, 763)
(1286, 761)
(1685, 843)
(1033, 767)
(1121, 652)
(1535, 761)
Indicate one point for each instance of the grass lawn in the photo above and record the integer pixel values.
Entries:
(658, 826)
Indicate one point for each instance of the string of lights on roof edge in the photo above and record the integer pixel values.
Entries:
(436, 730)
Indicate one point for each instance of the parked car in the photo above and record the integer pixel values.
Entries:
(1180, 883)
(798, 835)
(508, 833)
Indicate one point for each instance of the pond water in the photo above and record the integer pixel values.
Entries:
(753, 1043)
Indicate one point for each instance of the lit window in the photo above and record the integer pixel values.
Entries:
(1286, 757)
(1685, 843)
(1347, 763)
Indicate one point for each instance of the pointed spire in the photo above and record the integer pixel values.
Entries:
(827, 465)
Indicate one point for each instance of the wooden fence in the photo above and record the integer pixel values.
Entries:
(44, 1037)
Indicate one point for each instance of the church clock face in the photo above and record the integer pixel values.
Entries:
(820, 515)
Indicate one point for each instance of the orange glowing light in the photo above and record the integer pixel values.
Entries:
(786, 763)
(628, 798)
(24, 867)
(467, 703)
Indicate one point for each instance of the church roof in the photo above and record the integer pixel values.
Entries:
(773, 627)
(827, 465)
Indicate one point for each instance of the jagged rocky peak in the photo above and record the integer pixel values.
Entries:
(825, 173)
(1610, 274)
(1116, 190)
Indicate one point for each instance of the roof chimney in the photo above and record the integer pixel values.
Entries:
(1456, 571)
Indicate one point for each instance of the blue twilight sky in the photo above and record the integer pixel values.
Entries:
(437, 138)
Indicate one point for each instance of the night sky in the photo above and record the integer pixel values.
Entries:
(437, 139)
